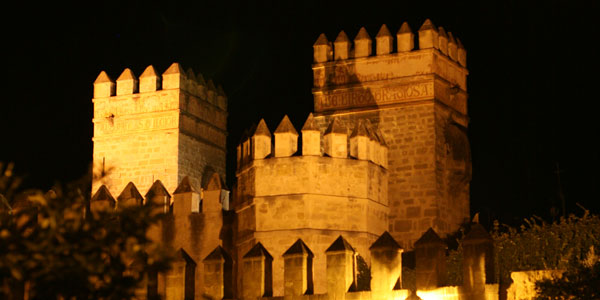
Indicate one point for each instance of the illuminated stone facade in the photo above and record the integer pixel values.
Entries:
(315, 197)
(417, 99)
(157, 127)
(385, 150)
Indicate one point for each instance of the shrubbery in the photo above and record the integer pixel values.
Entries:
(48, 245)
(538, 245)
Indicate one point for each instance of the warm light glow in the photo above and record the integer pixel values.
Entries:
(447, 292)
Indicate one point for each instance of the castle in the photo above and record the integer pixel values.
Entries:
(384, 151)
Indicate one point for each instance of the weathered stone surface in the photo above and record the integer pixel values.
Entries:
(341, 271)
(478, 260)
(408, 170)
(413, 98)
(341, 46)
(428, 36)
(127, 83)
(103, 86)
(405, 38)
(173, 77)
(322, 49)
(430, 257)
(218, 274)
(130, 196)
(286, 138)
(336, 140)
(149, 80)
(311, 137)
(261, 141)
(359, 141)
(362, 43)
(385, 41)
(461, 53)
(443, 40)
(298, 270)
(257, 268)
(102, 200)
(185, 186)
(156, 134)
(452, 47)
(313, 198)
(386, 264)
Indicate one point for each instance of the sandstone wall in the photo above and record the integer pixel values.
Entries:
(313, 198)
(409, 132)
(143, 133)
(417, 99)
(136, 139)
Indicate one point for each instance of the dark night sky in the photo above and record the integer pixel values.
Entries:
(532, 90)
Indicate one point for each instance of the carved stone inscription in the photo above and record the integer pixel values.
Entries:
(115, 126)
(342, 75)
(370, 96)
(373, 69)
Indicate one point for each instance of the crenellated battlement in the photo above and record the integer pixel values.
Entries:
(386, 150)
(340, 273)
(202, 201)
(167, 126)
(336, 184)
(361, 142)
(349, 75)
(149, 82)
(429, 37)
(409, 90)
(191, 223)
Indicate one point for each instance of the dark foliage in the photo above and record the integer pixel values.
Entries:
(49, 245)
(581, 283)
(536, 245)
(363, 278)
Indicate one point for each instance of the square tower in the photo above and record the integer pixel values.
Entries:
(157, 127)
(416, 99)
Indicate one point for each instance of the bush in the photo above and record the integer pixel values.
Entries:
(48, 244)
(581, 283)
(538, 245)
(535, 245)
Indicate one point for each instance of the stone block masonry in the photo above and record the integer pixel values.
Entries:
(417, 100)
(313, 196)
(384, 151)
(158, 133)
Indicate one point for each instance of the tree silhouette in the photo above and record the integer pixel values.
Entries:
(52, 247)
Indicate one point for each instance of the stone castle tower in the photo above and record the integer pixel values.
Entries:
(385, 150)
(417, 100)
(157, 127)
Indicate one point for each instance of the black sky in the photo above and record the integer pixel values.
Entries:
(532, 84)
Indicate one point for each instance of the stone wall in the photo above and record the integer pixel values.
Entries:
(133, 145)
(158, 127)
(259, 277)
(315, 198)
(386, 150)
(192, 226)
(417, 99)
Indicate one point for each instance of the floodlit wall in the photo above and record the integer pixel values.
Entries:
(417, 98)
(340, 273)
(157, 127)
(283, 196)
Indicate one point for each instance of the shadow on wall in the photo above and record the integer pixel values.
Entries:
(333, 102)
